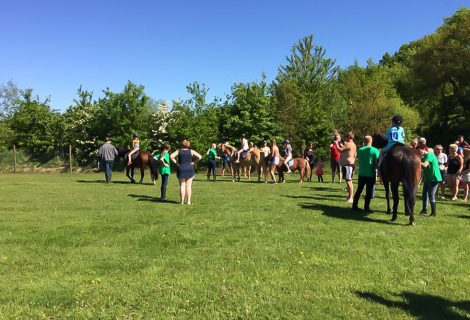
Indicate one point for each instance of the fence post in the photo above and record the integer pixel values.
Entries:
(70, 158)
(14, 158)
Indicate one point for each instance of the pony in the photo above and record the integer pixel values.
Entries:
(401, 164)
(299, 164)
(140, 160)
(254, 158)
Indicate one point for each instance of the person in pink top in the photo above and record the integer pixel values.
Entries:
(335, 154)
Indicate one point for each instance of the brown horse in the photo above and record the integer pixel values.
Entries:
(402, 164)
(299, 164)
(254, 158)
(139, 161)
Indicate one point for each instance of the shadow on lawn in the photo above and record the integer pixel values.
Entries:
(344, 213)
(422, 306)
(114, 182)
(142, 197)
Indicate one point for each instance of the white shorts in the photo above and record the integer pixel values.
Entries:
(275, 161)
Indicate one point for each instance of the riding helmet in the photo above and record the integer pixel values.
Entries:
(397, 119)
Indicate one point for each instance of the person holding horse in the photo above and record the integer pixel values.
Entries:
(367, 156)
(395, 135)
(244, 148)
(347, 162)
(164, 167)
(185, 172)
(431, 179)
(287, 155)
(211, 161)
(275, 157)
(135, 147)
(310, 157)
(107, 153)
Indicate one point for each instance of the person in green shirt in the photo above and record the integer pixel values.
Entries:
(431, 178)
(164, 168)
(211, 162)
(368, 157)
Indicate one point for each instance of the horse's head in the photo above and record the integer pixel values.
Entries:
(122, 151)
(379, 140)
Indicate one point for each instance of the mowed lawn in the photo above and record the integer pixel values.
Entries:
(73, 247)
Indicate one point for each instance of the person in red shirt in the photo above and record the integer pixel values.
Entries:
(335, 155)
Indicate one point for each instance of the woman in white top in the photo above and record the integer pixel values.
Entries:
(442, 160)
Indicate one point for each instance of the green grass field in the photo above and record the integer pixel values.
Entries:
(72, 247)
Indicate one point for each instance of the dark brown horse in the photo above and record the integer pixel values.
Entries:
(299, 164)
(140, 160)
(401, 164)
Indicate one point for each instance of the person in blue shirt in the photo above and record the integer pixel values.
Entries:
(395, 134)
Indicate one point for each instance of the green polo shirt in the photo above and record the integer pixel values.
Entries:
(431, 172)
(212, 154)
(161, 167)
(367, 157)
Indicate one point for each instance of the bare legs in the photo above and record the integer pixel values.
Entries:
(350, 187)
(185, 190)
(466, 189)
(271, 173)
(453, 186)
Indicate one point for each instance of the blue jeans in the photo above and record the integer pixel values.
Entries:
(429, 193)
(108, 167)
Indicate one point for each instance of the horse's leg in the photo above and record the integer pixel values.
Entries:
(301, 172)
(142, 172)
(410, 198)
(132, 175)
(396, 199)
(387, 196)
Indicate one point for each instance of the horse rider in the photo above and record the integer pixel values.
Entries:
(135, 147)
(395, 134)
(288, 154)
(244, 147)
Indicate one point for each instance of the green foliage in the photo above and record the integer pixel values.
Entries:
(305, 95)
(373, 100)
(10, 97)
(437, 78)
(36, 126)
(249, 111)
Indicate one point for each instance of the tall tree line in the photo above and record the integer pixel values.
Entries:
(427, 81)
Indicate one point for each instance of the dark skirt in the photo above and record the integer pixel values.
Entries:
(186, 172)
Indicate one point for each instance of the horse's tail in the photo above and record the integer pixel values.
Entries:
(153, 168)
(410, 179)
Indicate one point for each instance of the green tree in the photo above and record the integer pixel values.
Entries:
(248, 110)
(37, 127)
(372, 100)
(305, 95)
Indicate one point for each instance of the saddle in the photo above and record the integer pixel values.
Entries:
(134, 156)
(290, 163)
(243, 154)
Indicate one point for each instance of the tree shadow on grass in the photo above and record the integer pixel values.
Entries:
(142, 197)
(423, 306)
(462, 216)
(345, 213)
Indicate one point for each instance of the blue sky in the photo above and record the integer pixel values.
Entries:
(54, 47)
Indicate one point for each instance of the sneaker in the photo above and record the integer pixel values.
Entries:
(423, 212)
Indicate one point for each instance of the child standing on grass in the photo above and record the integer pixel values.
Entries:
(319, 170)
